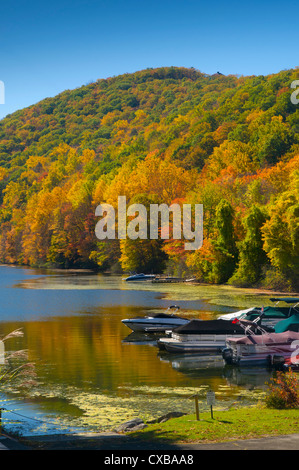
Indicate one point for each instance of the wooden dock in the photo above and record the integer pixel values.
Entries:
(169, 279)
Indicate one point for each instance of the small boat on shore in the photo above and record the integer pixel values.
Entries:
(140, 277)
(205, 336)
(157, 322)
(270, 349)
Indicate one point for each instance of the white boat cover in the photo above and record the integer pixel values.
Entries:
(238, 314)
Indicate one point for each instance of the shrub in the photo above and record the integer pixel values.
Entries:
(283, 391)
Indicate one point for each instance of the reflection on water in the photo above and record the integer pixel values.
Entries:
(93, 372)
(206, 366)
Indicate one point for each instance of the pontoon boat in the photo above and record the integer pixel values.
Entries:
(206, 336)
(269, 349)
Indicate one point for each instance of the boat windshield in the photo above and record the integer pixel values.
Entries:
(288, 300)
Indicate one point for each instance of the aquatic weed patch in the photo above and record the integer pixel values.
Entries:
(105, 411)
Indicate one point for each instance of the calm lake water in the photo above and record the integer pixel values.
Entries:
(92, 373)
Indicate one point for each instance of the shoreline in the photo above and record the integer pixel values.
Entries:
(253, 290)
(177, 434)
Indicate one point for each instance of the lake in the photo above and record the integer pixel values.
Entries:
(92, 373)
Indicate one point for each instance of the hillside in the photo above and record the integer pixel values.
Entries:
(158, 135)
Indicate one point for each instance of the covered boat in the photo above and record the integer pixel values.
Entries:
(289, 324)
(159, 322)
(205, 336)
(261, 350)
(271, 314)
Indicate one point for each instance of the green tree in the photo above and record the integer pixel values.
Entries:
(252, 257)
(274, 140)
(143, 255)
(224, 244)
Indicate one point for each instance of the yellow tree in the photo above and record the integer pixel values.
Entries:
(39, 219)
(281, 232)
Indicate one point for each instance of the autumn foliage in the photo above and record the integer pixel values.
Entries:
(159, 135)
(283, 391)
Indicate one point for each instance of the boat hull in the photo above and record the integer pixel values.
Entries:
(266, 350)
(266, 359)
(140, 277)
(195, 348)
(146, 325)
(201, 344)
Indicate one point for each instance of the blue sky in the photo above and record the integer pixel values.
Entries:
(48, 47)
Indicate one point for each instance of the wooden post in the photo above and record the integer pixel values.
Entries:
(196, 407)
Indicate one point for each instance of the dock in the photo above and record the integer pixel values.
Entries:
(171, 279)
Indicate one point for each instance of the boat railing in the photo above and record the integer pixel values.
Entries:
(294, 308)
(250, 327)
(292, 300)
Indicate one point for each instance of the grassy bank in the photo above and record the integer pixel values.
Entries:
(233, 424)
(241, 423)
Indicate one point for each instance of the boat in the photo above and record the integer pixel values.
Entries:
(290, 363)
(206, 336)
(271, 314)
(270, 349)
(267, 351)
(239, 313)
(140, 277)
(288, 324)
(157, 322)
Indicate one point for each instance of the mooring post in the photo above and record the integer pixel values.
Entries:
(196, 407)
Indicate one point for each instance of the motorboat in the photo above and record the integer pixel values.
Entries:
(140, 277)
(270, 349)
(240, 313)
(206, 336)
(157, 322)
(271, 314)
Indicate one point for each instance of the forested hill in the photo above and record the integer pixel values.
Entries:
(158, 135)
